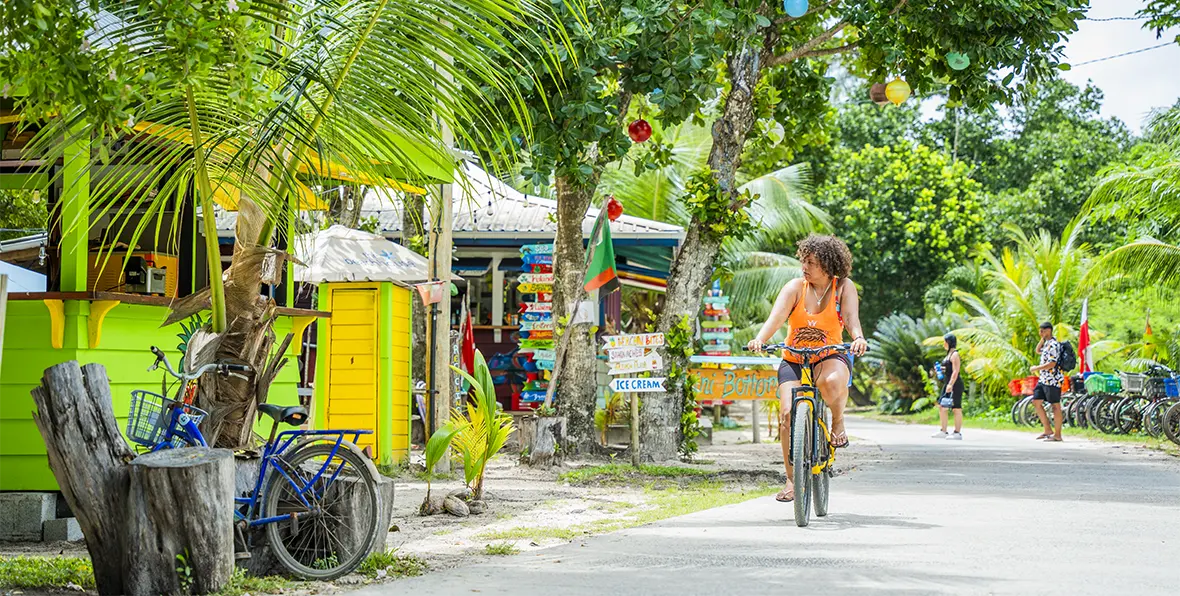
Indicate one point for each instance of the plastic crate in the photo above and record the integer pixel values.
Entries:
(1172, 387)
(1027, 385)
(1014, 387)
(1103, 383)
(1132, 382)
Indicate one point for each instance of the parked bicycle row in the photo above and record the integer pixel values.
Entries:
(1123, 403)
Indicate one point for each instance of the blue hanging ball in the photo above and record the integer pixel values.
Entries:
(795, 8)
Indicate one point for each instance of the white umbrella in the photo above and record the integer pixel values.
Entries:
(342, 254)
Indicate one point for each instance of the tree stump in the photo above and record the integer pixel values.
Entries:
(540, 440)
(180, 522)
(89, 458)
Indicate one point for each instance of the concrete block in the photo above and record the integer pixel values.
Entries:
(22, 514)
(63, 508)
(63, 530)
(384, 511)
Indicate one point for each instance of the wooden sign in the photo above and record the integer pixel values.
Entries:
(531, 259)
(536, 344)
(535, 278)
(537, 307)
(544, 364)
(619, 354)
(544, 355)
(536, 334)
(649, 362)
(651, 385)
(738, 384)
(536, 326)
(535, 317)
(537, 249)
(534, 288)
(717, 335)
(716, 300)
(715, 324)
(532, 396)
(650, 340)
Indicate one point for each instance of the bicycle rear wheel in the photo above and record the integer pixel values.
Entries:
(802, 432)
(1104, 415)
(819, 482)
(1172, 423)
(335, 534)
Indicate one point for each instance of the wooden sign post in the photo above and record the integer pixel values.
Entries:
(630, 354)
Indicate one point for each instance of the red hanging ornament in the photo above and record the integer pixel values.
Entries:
(614, 208)
(639, 130)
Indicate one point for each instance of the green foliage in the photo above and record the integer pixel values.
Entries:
(483, 427)
(22, 210)
(626, 473)
(184, 572)
(244, 584)
(45, 573)
(679, 344)
(908, 214)
(437, 446)
(1161, 15)
(390, 564)
(502, 549)
(720, 215)
(900, 350)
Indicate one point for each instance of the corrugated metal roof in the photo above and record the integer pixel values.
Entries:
(486, 207)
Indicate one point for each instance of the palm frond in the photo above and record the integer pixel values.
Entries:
(1150, 261)
(758, 276)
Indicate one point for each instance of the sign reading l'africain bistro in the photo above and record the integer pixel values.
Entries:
(737, 384)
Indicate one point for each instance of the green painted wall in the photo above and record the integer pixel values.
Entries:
(128, 331)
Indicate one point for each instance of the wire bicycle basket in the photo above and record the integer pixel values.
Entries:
(148, 420)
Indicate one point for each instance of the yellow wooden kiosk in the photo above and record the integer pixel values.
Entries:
(363, 350)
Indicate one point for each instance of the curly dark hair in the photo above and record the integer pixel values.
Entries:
(830, 252)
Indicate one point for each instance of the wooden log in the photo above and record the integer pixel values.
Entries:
(180, 522)
(542, 437)
(89, 458)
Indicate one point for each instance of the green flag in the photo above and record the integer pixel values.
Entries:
(600, 255)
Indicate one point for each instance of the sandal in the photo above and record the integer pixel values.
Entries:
(785, 495)
(1042, 436)
(840, 440)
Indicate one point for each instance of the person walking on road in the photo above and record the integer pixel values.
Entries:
(951, 398)
(1049, 380)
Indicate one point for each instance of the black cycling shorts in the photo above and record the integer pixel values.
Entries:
(1049, 393)
(790, 372)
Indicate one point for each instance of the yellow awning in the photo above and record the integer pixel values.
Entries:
(226, 194)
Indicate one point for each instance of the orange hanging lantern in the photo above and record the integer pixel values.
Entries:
(897, 91)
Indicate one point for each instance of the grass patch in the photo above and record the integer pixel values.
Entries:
(930, 416)
(40, 573)
(392, 564)
(501, 549)
(628, 474)
(241, 583)
(531, 533)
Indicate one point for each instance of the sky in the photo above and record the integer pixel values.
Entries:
(1133, 85)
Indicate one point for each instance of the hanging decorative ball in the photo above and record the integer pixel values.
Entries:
(958, 61)
(877, 94)
(614, 208)
(639, 131)
(897, 91)
(795, 8)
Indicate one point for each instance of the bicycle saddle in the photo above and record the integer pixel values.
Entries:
(293, 415)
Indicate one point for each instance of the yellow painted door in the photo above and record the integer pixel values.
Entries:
(352, 369)
(400, 328)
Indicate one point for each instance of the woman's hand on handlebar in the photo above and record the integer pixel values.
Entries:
(755, 345)
(859, 346)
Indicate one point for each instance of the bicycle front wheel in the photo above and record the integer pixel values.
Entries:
(802, 441)
(819, 482)
(1172, 423)
(332, 497)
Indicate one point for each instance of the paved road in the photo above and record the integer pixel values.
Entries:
(998, 513)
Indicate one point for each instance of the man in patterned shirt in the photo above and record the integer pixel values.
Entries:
(1050, 378)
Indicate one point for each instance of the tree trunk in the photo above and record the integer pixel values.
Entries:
(576, 393)
(88, 457)
(180, 522)
(540, 437)
(693, 268)
(413, 207)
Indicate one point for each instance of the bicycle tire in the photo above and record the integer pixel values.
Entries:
(1029, 413)
(1172, 423)
(1129, 414)
(1018, 411)
(820, 483)
(802, 425)
(1105, 418)
(1092, 408)
(312, 561)
(1151, 418)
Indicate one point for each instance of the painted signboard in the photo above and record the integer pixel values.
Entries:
(651, 385)
(736, 384)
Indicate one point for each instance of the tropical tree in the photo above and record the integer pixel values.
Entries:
(901, 349)
(879, 38)
(1145, 191)
(260, 99)
(1037, 279)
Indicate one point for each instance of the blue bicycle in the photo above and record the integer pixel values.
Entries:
(316, 492)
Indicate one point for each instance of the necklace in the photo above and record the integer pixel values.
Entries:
(819, 300)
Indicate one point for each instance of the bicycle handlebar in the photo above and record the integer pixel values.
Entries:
(838, 348)
(221, 368)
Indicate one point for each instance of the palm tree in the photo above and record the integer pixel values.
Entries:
(264, 100)
(1147, 191)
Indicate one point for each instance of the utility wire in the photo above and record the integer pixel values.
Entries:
(1136, 18)
(1132, 52)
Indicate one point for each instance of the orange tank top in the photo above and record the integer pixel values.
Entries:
(807, 330)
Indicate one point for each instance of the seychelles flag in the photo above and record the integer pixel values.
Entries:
(1084, 351)
(600, 258)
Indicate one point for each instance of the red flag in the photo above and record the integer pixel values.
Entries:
(467, 346)
(1148, 330)
(1084, 339)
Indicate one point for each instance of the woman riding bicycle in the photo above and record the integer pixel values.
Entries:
(817, 308)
